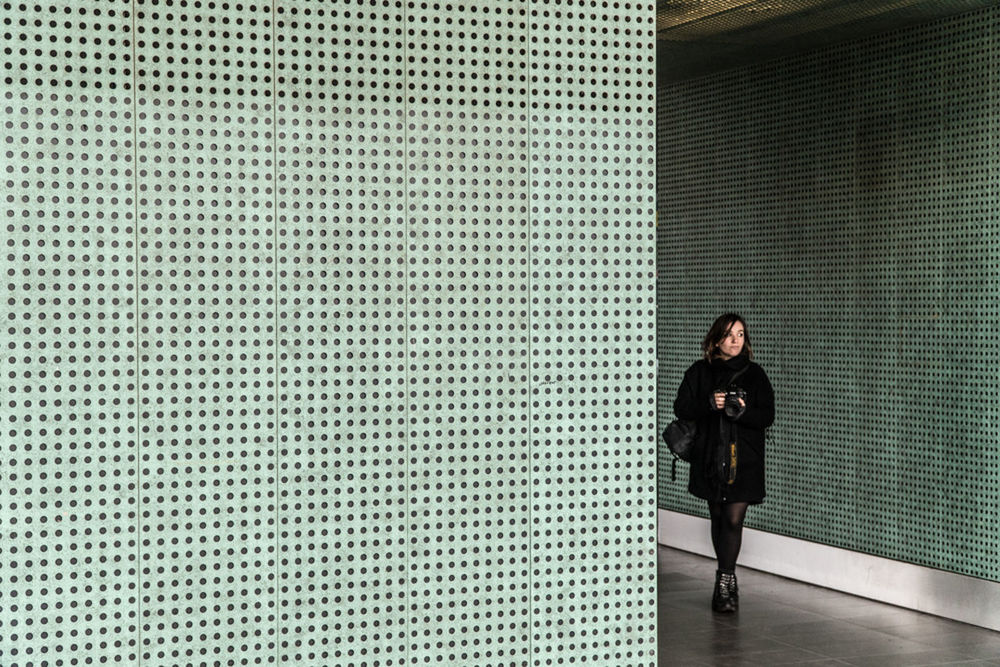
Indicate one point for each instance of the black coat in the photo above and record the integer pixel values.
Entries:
(694, 402)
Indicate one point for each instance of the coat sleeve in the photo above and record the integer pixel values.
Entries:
(692, 402)
(759, 413)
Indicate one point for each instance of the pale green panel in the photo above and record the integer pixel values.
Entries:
(67, 482)
(207, 333)
(75, 48)
(593, 383)
(467, 301)
(288, 412)
(467, 196)
(467, 56)
(218, 51)
(468, 388)
(593, 56)
(341, 337)
(593, 334)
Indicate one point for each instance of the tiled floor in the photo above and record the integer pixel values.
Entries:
(783, 622)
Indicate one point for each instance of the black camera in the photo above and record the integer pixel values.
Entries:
(732, 405)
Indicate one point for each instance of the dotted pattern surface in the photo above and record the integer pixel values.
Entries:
(844, 202)
(330, 333)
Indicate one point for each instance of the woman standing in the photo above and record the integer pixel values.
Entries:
(731, 399)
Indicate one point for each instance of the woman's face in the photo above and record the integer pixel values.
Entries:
(732, 342)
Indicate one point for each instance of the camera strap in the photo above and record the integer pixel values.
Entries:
(738, 373)
(728, 432)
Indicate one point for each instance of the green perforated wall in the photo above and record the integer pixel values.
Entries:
(329, 333)
(845, 202)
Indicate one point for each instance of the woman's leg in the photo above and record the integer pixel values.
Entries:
(727, 532)
(715, 514)
(727, 536)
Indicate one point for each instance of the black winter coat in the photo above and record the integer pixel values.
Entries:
(694, 402)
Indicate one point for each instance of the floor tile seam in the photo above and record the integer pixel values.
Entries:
(887, 628)
(931, 642)
(918, 648)
(878, 656)
(777, 645)
(935, 632)
(970, 655)
(799, 649)
(973, 660)
(821, 656)
(841, 639)
(935, 641)
(835, 631)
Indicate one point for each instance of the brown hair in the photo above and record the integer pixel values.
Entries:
(719, 331)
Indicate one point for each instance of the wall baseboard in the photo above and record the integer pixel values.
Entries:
(954, 596)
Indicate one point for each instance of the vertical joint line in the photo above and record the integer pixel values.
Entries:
(406, 330)
(137, 341)
(277, 328)
(531, 415)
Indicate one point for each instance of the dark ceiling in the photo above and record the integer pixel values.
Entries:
(699, 37)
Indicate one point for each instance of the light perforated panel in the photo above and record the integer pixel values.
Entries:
(467, 261)
(344, 596)
(593, 338)
(206, 308)
(843, 202)
(330, 333)
(69, 582)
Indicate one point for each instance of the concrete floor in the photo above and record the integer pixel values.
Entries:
(784, 622)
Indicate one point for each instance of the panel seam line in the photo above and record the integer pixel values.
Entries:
(406, 327)
(137, 338)
(531, 461)
(277, 374)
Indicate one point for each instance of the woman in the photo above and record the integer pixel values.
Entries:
(731, 399)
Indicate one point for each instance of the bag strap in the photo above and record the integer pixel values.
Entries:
(738, 373)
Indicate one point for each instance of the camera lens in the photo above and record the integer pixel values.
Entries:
(732, 403)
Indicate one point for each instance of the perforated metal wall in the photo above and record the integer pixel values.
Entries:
(845, 202)
(330, 333)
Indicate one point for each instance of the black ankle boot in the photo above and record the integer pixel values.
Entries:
(725, 597)
(734, 593)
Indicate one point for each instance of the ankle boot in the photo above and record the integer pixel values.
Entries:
(723, 600)
(734, 593)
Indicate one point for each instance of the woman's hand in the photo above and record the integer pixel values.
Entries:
(719, 400)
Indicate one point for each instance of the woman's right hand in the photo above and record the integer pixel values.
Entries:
(719, 400)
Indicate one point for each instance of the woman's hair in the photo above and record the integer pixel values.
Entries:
(718, 332)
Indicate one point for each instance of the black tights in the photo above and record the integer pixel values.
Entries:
(727, 532)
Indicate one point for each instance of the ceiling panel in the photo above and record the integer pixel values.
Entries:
(699, 37)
